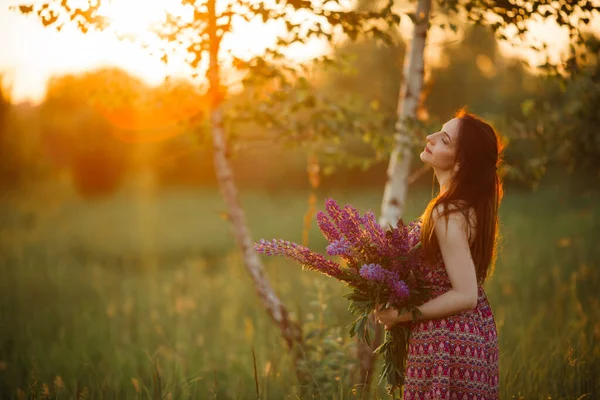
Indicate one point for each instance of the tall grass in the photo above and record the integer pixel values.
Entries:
(147, 298)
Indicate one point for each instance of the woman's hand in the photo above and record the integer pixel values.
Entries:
(390, 317)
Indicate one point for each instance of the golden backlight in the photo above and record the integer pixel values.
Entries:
(134, 17)
(41, 52)
(158, 114)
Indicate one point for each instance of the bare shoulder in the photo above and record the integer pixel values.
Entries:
(454, 220)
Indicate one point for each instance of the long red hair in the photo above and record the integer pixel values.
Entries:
(476, 185)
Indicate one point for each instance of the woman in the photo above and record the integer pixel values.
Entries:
(453, 346)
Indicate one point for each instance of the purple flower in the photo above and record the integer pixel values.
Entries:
(400, 241)
(300, 254)
(400, 290)
(339, 248)
(374, 272)
(334, 210)
(351, 226)
(369, 216)
(327, 227)
(376, 233)
(401, 267)
(364, 245)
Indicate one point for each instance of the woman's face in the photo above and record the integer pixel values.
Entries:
(440, 151)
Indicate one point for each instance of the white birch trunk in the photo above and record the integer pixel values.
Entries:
(291, 332)
(275, 309)
(394, 194)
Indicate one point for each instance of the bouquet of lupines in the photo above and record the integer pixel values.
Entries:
(377, 268)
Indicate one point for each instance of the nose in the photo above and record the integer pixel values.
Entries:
(429, 138)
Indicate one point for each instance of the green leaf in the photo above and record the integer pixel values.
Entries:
(356, 296)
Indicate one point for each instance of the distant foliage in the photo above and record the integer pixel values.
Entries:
(105, 125)
(565, 120)
(19, 148)
(7, 165)
(77, 138)
(473, 72)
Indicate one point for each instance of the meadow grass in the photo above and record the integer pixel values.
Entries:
(145, 296)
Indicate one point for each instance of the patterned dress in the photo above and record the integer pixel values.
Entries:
(455, 357)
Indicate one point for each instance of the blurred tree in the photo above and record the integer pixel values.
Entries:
(371, 71)
(78, 137)
(17, 155)
(369, 79)
(105, 125)
(559, 126)
(8, 172)
(479, 77)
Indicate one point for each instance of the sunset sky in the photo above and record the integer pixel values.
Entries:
(30, 54)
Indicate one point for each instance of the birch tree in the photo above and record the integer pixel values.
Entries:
(394, 193)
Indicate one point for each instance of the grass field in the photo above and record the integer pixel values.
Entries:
(145, 296)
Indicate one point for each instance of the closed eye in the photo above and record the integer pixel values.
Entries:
(446, 139)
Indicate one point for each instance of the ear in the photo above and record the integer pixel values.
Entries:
(456, 167)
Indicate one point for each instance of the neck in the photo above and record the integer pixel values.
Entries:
(443, 178)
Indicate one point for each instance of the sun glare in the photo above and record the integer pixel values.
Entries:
(134, 17)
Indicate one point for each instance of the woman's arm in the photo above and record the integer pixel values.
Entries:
(452, 237)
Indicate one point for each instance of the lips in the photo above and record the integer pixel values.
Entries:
(427, 150)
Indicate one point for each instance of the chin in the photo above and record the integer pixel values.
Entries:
(424, 156)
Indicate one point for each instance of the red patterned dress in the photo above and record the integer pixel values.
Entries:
(455, 357)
